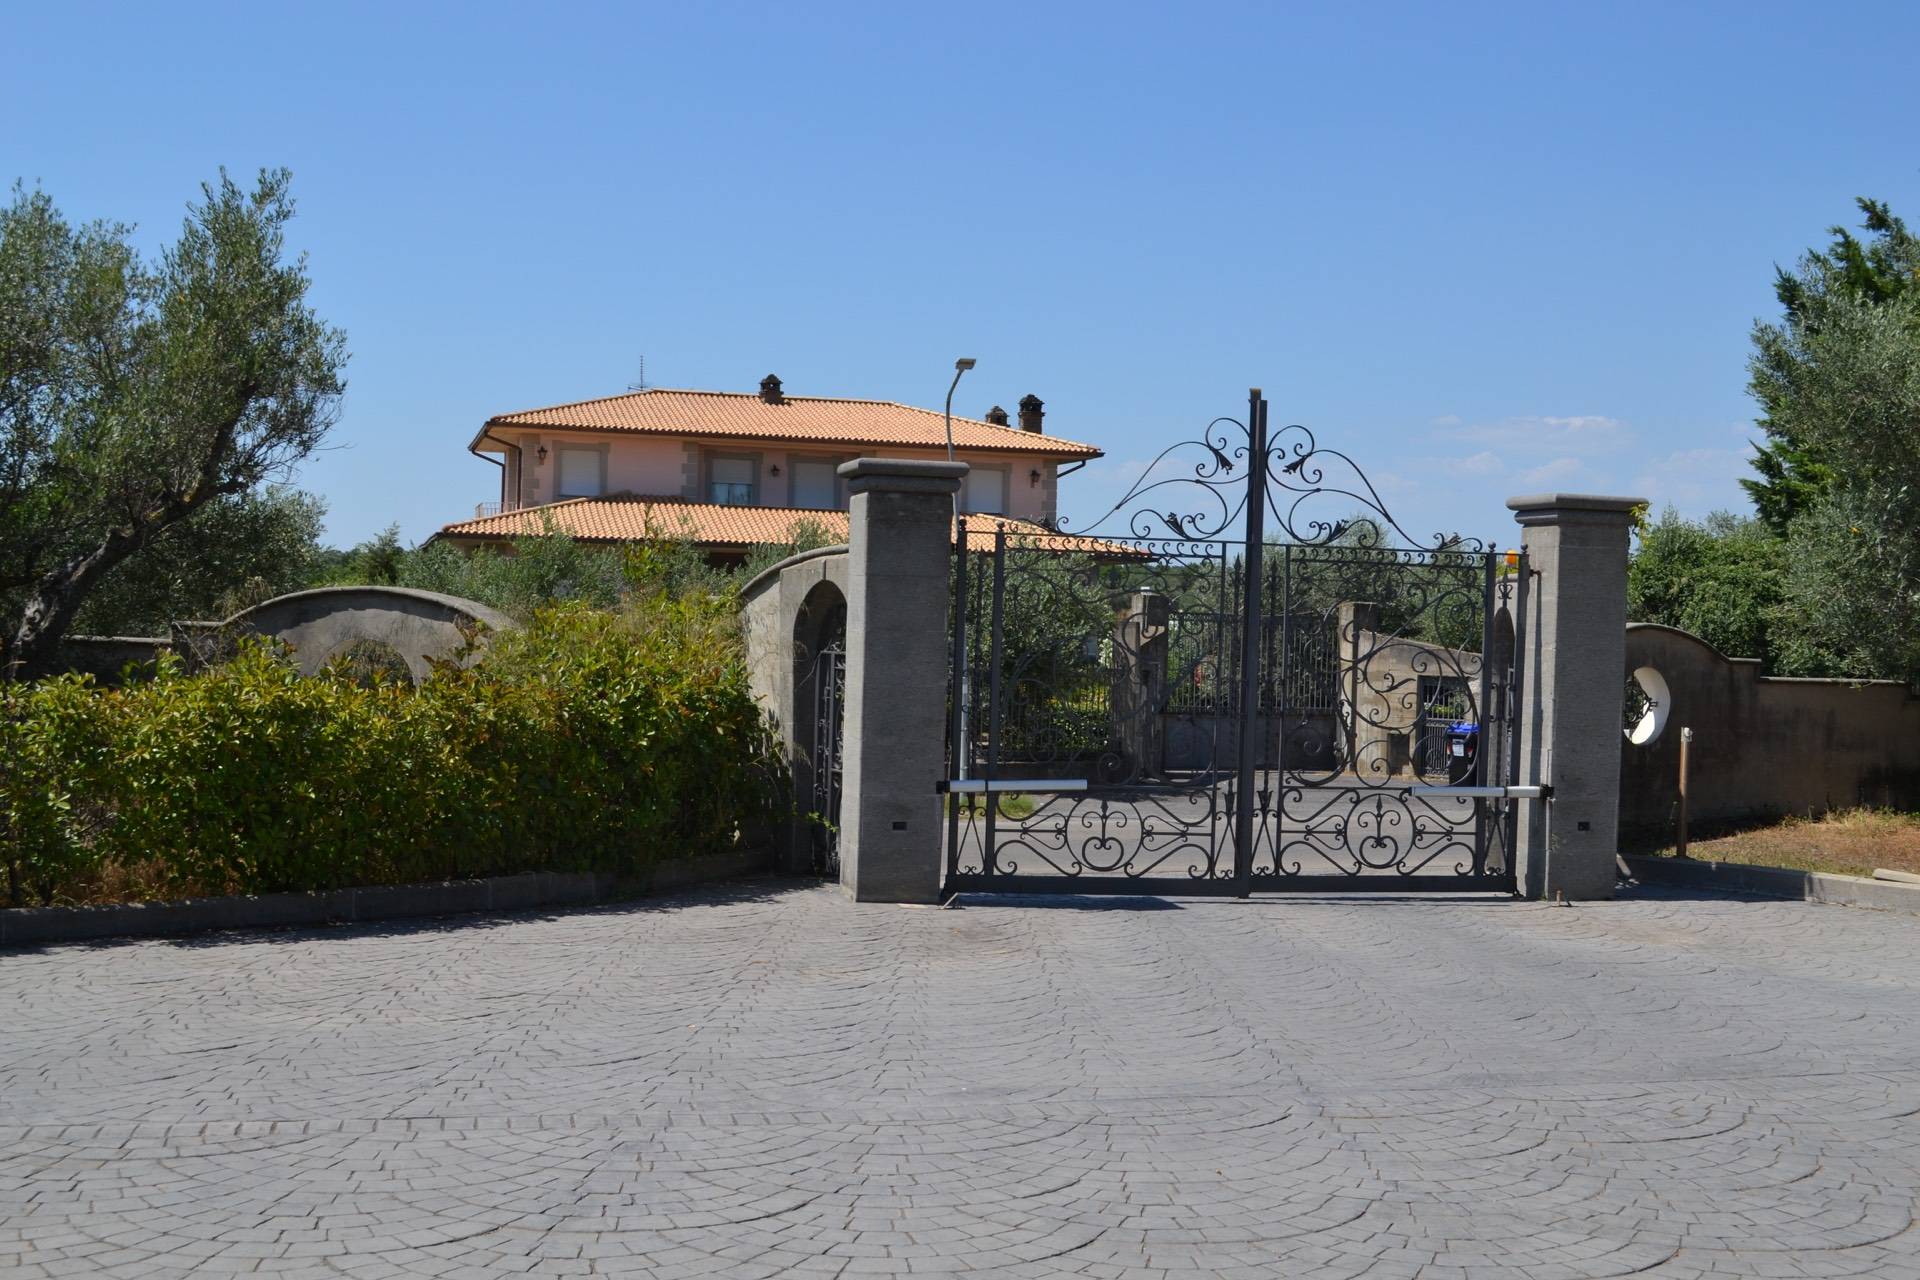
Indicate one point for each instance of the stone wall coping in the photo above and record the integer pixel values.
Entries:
(1684, 634)
(79, 639)
(1850, 682)
(485, 613)
(41, 926)
(456, 604)
(773, 571)
(1845, 682)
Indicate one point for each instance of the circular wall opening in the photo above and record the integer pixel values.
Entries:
(1648, 702)
(366, 661)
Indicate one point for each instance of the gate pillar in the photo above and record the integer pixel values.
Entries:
(900, 547)
(1140, 628)
(1368, 708)
(1572, 690)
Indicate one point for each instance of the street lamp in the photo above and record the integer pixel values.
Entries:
(961, 751)
(960, 366)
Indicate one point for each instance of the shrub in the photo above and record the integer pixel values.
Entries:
(556, 568)
(54, 745)
(1721, 579)
(540, 571)
(590, 740)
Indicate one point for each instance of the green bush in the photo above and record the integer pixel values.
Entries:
(54, 744)
(555, 568)
(1722, 579)
(590, 740)
(540, 571)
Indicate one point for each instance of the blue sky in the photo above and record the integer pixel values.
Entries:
(1486, 250)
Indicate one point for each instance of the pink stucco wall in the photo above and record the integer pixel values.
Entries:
(647, 465)
(660, 466)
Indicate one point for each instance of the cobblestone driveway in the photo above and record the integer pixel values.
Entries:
(773, 1082)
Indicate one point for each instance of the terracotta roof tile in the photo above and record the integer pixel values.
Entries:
(817, 419)
(708, 524)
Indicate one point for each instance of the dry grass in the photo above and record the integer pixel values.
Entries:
(1853, 842)
(114, 882)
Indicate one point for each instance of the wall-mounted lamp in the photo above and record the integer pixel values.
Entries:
(1033, 478)
(541, 454)
(774, 470)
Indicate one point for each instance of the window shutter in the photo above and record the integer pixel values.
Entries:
(579, 473)
(813, 485)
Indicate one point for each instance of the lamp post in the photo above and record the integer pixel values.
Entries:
(960, 366)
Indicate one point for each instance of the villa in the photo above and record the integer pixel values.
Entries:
(729, 470)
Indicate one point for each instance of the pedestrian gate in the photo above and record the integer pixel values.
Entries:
(1234, 682)
(828, 679)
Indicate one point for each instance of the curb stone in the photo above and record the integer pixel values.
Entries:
(1777, 882)
(34, 926)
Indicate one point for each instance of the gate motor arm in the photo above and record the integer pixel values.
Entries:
(977, 786)
(1542, 792)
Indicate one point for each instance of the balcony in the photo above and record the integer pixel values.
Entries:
(481, 510)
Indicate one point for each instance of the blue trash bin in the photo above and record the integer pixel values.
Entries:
(1463, 749)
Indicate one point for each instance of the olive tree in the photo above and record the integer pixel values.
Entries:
(136, 395)
(1853, 561)
(234, 553)
(1795, 468)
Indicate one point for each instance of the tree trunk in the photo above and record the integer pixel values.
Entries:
(30, 652)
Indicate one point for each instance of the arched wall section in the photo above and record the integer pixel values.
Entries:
(321, 624)
(782, 612)
(1762, 745)
(820, 619)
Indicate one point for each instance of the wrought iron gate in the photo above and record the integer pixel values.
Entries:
(829, 678)
(1304, 705)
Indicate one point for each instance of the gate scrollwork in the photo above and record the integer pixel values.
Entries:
(1234, 713)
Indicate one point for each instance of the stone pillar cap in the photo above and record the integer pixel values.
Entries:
(1574, 502)
(906, 475)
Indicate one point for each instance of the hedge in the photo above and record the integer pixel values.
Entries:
(590, 740)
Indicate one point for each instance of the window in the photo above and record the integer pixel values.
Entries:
(581, 474)
(730, 482)
(986, 492)
(814, 485)
(1647, 705)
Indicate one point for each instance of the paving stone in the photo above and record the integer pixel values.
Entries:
(766, 1080)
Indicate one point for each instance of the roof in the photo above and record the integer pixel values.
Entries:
(814, 419)
(709, 524)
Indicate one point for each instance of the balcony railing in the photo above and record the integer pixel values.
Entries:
(481, 510)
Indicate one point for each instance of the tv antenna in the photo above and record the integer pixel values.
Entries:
(640, 383)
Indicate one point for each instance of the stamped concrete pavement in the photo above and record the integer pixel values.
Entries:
(770, 1081)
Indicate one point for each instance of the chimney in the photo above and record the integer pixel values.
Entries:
(770, 390)
(1030, 413)
(997, 416)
